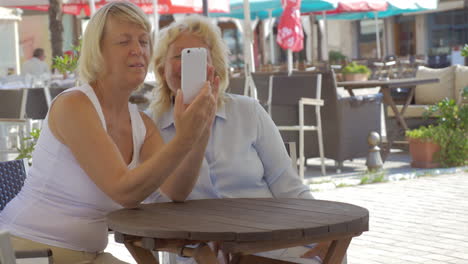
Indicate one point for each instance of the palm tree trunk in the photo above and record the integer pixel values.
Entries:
(56, 27)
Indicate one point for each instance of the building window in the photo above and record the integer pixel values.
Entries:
(368, 38)
(448, 32)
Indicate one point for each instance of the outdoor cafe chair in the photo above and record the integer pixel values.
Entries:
(262, 84)
(13, 126)
(291, 99)
(38, 101)
(12, 177)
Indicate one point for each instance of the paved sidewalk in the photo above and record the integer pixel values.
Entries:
(423, 220)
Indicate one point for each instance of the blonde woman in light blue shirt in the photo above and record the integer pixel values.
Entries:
(243, 155)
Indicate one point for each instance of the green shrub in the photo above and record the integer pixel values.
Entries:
(450, 132)
(464, 51)
(27, 145)
(354, 67)
(68, 62)
(336, 57)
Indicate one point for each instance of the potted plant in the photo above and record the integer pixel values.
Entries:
(27, 145)
(68, 62)
(445, 143)
(336, 58)
(423, 147)
(337, 61)
(355, 72)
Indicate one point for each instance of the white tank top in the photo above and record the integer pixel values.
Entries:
(59, 204)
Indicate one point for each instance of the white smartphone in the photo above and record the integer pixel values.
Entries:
(194, 62)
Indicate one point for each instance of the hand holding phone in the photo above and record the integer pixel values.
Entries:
(194, 64)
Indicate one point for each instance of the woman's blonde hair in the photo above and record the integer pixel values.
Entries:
(91, 62)
(211, 34)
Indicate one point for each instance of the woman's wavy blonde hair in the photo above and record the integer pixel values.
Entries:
(211, 34)
(91, 62)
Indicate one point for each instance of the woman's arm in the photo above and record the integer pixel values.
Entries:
(100, 158)
(180, 184)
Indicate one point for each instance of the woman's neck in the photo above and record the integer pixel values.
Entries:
(113, 97)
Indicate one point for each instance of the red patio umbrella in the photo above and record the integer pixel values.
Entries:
(353, 6)
(290, 35)
(75, 7)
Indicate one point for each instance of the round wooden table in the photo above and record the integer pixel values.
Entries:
(243, 226)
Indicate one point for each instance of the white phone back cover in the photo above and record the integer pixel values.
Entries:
(193, 72)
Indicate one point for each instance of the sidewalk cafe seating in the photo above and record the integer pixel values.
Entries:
(12, 124)
(12, 177)
(37, 105)
(294, 106)
(346, 121)
(262, 84)
(452, 81)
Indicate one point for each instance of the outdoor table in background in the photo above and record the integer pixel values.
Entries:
(385, 89)
(241, 226)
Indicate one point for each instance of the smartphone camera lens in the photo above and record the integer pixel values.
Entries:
(188, 51)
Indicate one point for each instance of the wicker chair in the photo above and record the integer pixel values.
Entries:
(12, 177)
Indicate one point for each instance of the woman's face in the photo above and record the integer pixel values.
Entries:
(172, 65)
(126, 50)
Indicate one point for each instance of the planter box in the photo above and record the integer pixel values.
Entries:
(422, 153)
(355, 76)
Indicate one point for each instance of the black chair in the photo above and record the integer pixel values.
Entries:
(262, 84)
(12, 177)
(37, 106)
(11, 103)
(12, 111)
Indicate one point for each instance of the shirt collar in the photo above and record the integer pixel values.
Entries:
(167, 118)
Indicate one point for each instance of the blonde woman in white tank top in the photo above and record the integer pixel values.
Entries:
(97, 153)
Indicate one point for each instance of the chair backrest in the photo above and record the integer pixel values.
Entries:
(236, 85)
(36, 106)
(12, 177)
(262, 83)
(286, 91)
(11, 101)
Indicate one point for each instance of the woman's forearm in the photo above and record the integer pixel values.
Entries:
(136, 184)
(179, 185)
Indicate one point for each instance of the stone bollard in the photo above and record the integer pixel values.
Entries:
(374, 161)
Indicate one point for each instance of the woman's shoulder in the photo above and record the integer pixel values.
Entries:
(239, 101)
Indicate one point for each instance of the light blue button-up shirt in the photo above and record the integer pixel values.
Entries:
(245, 156)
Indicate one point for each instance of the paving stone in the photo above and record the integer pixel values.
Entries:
(415, 220)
